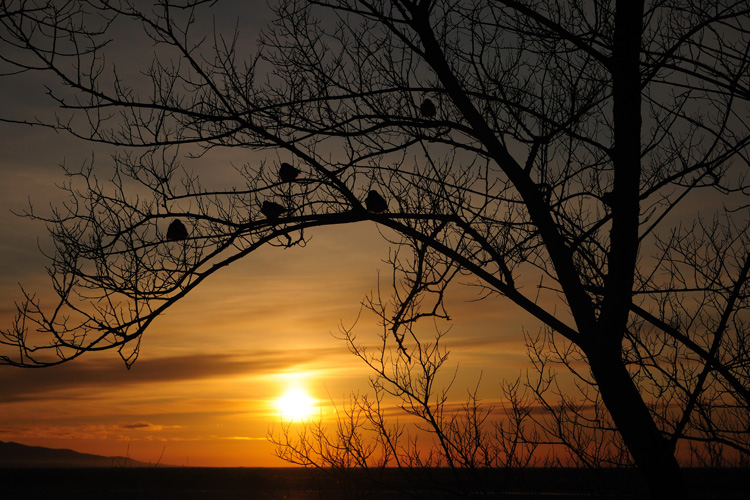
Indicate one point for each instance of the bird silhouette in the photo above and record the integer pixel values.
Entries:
(375, 203)
(177, 231)
(272, 210)
(287, 173)
(427, 108)
(545, 190)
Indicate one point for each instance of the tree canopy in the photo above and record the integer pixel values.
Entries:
(599, 145)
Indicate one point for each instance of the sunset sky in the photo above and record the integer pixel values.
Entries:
(203, 390)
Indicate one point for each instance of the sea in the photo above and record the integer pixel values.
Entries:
(189, 483)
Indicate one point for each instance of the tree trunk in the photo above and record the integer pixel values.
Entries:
(649, 448)
(603, 344)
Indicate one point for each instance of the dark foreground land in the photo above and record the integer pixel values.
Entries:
(307, 484)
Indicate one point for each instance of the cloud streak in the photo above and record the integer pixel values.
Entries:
(30, 384)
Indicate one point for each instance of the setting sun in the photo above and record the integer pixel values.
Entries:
(296, 404)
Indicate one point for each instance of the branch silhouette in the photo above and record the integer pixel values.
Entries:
(578, 145)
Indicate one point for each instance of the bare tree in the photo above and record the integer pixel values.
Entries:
(569, 141)
(425, 431)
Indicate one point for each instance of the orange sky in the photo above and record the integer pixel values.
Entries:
(209, 371)
(202, 391)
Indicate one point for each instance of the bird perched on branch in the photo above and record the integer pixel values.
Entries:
(545, 190)
(428, 109)
(177, 231)
(287, 173)
(375, 203)
(272, 210)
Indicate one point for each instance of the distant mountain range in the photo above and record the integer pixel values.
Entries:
(20, 455)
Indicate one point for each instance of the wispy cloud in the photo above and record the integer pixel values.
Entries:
(143, 426)
(20, 384)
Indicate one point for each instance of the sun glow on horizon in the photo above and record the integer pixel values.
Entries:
(296, 404)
